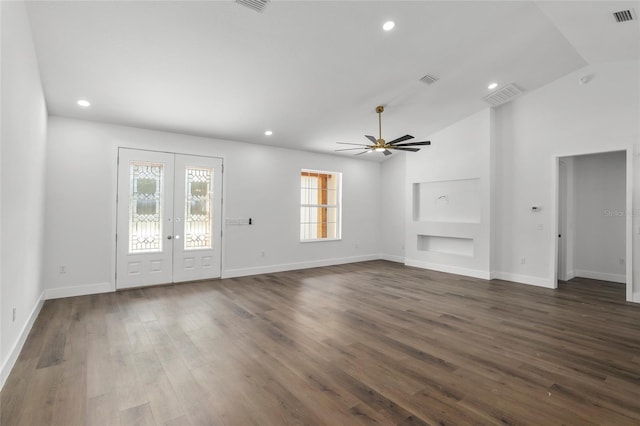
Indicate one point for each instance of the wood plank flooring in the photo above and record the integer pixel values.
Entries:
(367, 343)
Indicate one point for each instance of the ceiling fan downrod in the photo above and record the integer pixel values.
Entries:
(380, 110)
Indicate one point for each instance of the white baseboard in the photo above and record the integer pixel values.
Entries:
(636, 298)
(270, 269)
(571, 275)
(392, 258)
(8, 364)
(602, 276)
(475, 273)
(523, 279)
(78, 290)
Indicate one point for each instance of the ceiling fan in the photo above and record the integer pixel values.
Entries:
(383, 146)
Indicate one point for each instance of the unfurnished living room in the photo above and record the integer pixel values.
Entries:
(254, 212)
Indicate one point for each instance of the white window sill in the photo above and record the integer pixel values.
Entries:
(320, 240)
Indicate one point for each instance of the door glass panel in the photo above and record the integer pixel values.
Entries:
(198, 212)
(146, 181)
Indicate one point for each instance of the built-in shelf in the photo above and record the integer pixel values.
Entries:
(448, 245)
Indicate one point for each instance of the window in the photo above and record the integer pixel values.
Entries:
(145, 207)
(197, 205)
(320, 205)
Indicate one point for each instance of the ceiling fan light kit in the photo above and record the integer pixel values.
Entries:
(380, 145)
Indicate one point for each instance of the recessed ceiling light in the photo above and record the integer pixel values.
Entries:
(83, 103)
(268, 133)
(388, 26)
(492, 86)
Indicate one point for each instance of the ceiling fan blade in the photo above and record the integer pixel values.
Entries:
(371, 138)
(405, 149)
(364, 152)
(348, 143)
(400, 139)
(387, 152)
(414, 143)
(348, 149)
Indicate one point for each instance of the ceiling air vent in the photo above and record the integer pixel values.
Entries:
(429, 79)
(502, 95)
(624, 15)
(257, 5)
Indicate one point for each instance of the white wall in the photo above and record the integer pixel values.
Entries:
(458, 159)
(392, 213)
(600, 195)
(563, 118)
(24, 119)
(259, 182)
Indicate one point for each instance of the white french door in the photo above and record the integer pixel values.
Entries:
(169, 218)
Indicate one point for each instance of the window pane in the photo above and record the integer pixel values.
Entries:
(332, 230)
(332, 182)
(309, 231)
(198, 212)
(332, 197)
(145, 206)
(332, 215)
(313, 196)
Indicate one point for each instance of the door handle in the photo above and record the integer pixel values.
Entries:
(169, 237)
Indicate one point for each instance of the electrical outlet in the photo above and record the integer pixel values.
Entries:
(621, 261)
(540, 227)
(261, 253)
(357, 245)
(63, 269)
(13, 315)
(523, 260)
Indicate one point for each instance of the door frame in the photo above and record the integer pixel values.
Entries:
(563, 233)
(114, 209)
(555, 181)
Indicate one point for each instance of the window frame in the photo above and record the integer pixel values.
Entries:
(337, 206)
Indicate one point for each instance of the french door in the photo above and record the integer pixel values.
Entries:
(169, 218)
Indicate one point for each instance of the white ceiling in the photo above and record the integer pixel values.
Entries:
(312, 71)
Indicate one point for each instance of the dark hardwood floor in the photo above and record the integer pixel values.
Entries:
(373, 342)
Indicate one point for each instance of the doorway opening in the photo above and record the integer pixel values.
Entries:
(593, 224)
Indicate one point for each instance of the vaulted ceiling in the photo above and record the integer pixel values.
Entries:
(310, 71)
